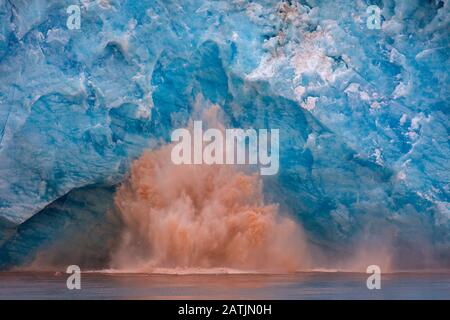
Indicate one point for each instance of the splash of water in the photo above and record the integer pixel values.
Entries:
(201, 216)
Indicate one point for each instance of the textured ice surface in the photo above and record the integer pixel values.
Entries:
(364, 114)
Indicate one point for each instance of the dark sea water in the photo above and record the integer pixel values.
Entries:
(304, 285)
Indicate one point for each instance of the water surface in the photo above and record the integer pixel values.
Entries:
(302, 285)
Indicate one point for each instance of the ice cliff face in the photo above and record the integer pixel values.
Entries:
(364, 114)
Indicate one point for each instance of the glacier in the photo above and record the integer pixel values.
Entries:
(363, 116)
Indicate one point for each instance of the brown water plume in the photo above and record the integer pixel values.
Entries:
(201, 217)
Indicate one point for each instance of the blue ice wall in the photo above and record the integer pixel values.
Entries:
(363, 114)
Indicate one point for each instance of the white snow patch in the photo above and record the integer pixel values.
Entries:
(364, 96)
(378, 157)
(299, 92)
(401, 90)
(375, 105)
(403, 119)
(310, 103)
(353, 88)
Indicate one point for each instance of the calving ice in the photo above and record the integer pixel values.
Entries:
(227, 146)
